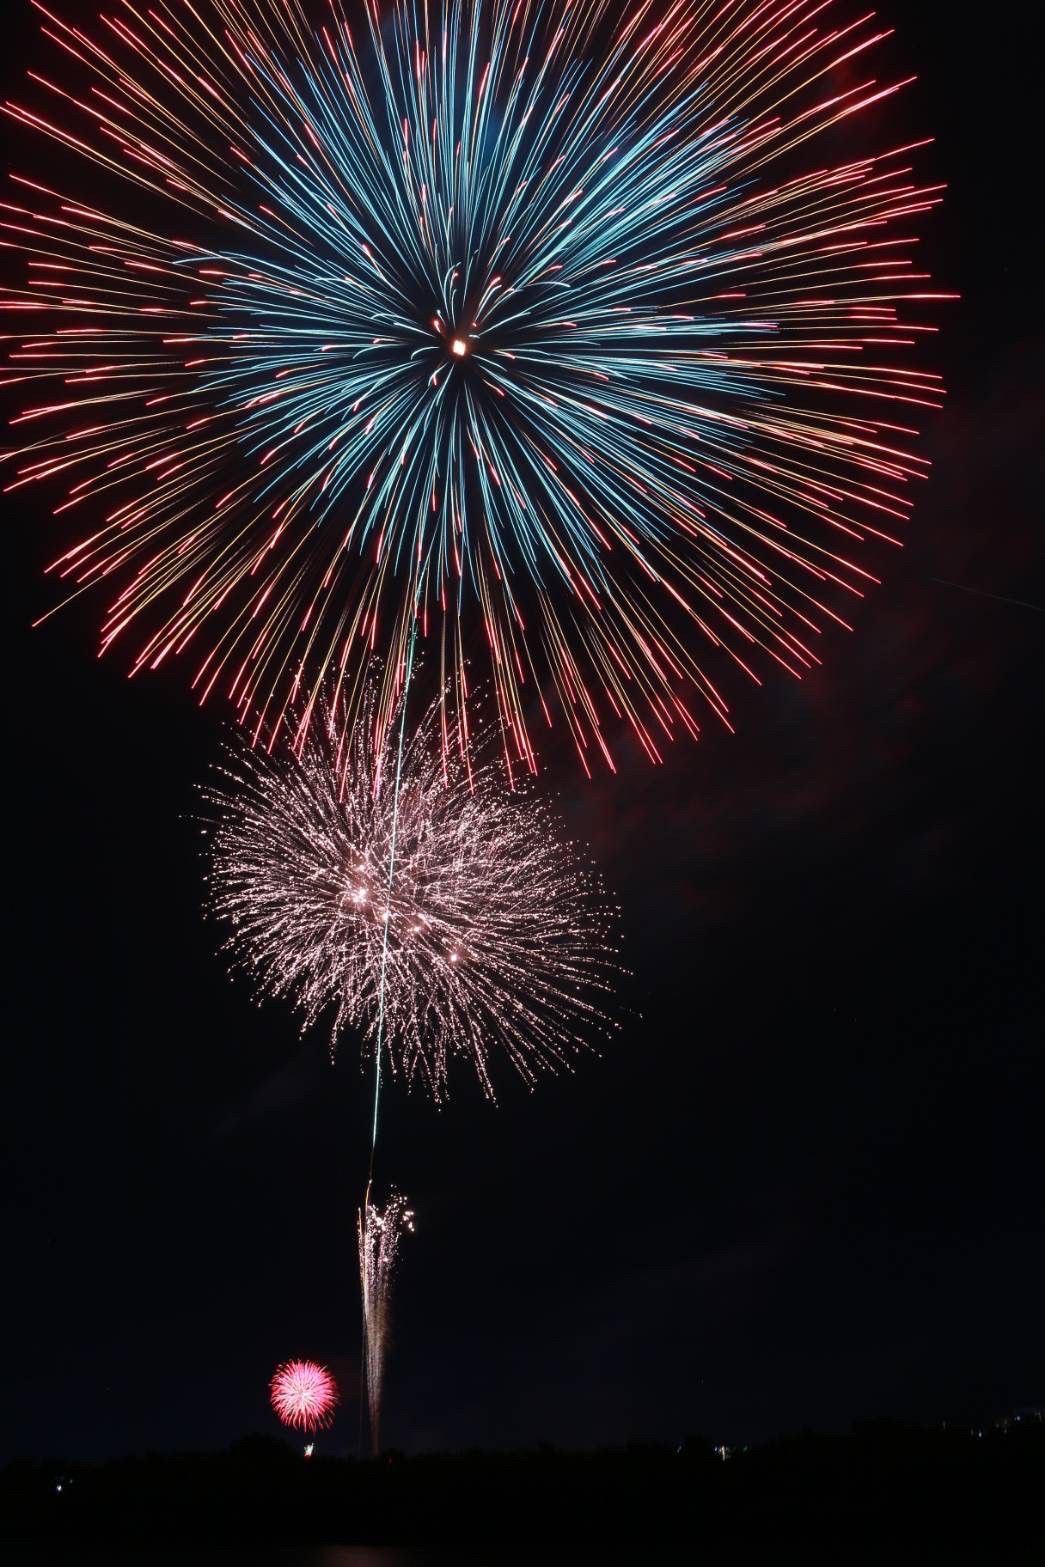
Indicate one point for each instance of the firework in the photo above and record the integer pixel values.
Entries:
(572, 331)
(407, 893)
(380, 1231)
(304, 1395)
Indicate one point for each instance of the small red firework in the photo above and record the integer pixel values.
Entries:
(304, 1395)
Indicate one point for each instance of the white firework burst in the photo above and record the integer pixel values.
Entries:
(404, 892)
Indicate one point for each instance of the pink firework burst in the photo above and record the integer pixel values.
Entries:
(304, 1395)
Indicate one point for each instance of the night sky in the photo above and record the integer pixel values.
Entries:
(806, 1186)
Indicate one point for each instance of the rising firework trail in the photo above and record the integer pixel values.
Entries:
(493, 938)
(575, 333)
(379, 1231)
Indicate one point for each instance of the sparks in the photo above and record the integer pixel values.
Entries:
(380, 1231)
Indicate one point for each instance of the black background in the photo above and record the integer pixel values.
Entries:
(807, 1185)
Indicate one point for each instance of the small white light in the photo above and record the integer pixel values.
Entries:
(459, 347)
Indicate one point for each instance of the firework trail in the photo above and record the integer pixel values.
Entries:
(493, 937)
(573, 332)
(380, 1231)
(304, 1395)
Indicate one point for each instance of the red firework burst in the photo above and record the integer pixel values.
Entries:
(304, 1395)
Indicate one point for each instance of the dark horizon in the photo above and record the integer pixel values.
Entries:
(805, 1187)
(885, 1490)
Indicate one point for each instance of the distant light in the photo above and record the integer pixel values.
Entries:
(459, 347)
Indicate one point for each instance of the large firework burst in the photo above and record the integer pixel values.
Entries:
(407, 893)
(304, 1395)
(532, 323)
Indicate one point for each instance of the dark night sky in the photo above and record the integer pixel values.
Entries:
(807, 1186)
